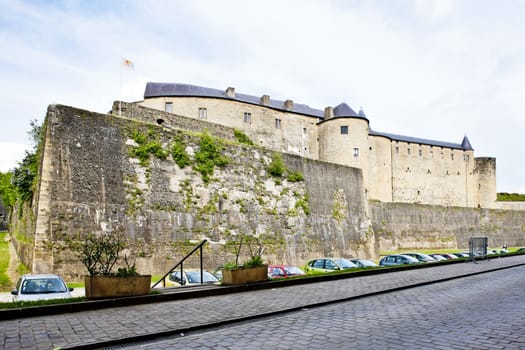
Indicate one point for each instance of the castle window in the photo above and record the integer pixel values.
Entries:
(277, 123)
(304, 131)
(452, 156)
(356, 152)
(466, 157)
(408, 151)
(344, 129)
(168, 107)
(397, 149)
(203, 113)
(420, 153)
(247, 118)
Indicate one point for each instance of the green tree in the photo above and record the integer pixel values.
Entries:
(7, 190)
(25, 175)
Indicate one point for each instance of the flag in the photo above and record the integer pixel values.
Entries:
(128, 63)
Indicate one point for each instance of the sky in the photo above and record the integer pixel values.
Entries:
(432, 69)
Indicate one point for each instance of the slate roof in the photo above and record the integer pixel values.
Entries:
(171, 89)
(340, 111)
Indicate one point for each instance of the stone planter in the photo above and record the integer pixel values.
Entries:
(245, 275)
(115, 286)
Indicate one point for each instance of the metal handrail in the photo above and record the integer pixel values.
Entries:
(163, 279)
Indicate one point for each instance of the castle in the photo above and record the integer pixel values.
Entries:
(395, 168)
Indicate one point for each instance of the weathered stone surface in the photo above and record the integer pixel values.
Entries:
(90, 183)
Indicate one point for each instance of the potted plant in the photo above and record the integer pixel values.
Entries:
(100, 252)
(252, 271)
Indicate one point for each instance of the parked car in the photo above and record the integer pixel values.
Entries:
(218, 272)
(520, 250)
(40, 287)
(323, 265)
(449, 256)
(363, 263)
(283, 271)
(438, 257)
(191, 277)
(421, 257)
(462, 254)
(397, 259)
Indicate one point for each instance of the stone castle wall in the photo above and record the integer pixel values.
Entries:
(395, 171)
(407, 226)
(91, 183)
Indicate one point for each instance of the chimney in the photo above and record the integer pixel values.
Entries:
(230, 92)
(288, 105)
(328, 112)
(265, 100)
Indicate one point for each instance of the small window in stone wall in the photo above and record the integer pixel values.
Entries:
(203, 113)
(397, 149)
(420, 153)
(277, 123)
(466, 157)
(247, 118)
(344, 129)
(451, 156)
(168, 107)
(356, 152)
(408, 151)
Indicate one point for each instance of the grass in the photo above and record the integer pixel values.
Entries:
(5, 282)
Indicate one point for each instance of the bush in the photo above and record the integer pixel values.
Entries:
(276, 168)
(241, 137)
(209, 156)
(295, 176)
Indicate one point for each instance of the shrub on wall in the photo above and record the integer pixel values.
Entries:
(276, 168)
(209, 156)
(241, 137)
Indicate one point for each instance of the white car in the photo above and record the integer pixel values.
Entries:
(192, 277)
(41, 287)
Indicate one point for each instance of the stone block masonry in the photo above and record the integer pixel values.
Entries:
(93, 179)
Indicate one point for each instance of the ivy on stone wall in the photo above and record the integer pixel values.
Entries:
(241, 137)
(278, 169)
(209, 156)
(179, 154)
(146, 145)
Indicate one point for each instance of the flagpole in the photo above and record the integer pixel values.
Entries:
(120, 92)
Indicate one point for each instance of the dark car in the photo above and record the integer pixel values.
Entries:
(397, 259)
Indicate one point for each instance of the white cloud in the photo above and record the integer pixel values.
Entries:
(436, 69)
(12, 153)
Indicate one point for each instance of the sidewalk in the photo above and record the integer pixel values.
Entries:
(112, 326)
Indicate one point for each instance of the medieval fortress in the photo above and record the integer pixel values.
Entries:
(395, 168)
(360, 191)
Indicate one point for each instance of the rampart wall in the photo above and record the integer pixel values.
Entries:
(91, 182)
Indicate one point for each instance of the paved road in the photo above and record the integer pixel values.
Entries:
(97, 328)
(478, 312)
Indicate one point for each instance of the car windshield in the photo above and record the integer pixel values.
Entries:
(293, 270)
(43, 285)
(367, 263)
(195, 277)
(344, 264)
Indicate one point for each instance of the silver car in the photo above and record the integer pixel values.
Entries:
(397, 259)
(41, 287)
